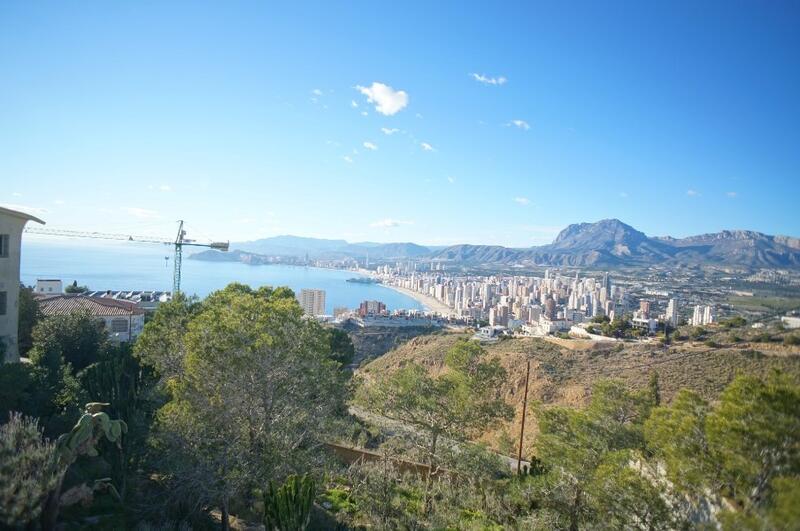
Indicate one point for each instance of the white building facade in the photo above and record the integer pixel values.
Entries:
(11, 225)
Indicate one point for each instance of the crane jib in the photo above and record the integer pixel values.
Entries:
(179, 242)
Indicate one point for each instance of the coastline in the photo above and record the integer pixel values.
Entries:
(429, 303)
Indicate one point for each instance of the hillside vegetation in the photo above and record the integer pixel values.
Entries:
(563, 374)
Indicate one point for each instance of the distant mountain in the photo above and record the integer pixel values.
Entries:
(606, 243)
(317, 248)
(610, 242)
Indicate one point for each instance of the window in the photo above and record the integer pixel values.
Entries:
(4, 245)
(3, 302)
(119, 325)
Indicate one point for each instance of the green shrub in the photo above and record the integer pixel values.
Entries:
(289, 506)
(791, 340)
(28, 472)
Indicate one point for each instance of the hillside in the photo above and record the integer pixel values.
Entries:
(317, 248)
(564, 376)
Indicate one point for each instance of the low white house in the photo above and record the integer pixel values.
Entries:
(123, 320)
(11, 225)
(48, 287)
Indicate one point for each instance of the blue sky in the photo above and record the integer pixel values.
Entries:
(505, 121)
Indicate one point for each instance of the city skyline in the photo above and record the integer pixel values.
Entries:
(374, 124)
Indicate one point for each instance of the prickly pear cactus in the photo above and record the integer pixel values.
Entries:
(288, 507)
(82, 439)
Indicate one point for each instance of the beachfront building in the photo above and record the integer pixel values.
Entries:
(371, 308)
(122, 320)
(11, 224)
(312, 301)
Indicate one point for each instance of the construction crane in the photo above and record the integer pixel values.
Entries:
(179, 243)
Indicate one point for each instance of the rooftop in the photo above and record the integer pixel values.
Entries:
(100, 307)
(21, 215)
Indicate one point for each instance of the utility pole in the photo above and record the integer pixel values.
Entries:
(524, 408)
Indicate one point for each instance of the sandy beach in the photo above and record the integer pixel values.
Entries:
(430, 304)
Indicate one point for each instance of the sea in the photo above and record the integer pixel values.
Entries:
(129, 266)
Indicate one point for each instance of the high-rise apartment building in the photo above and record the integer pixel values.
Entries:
(313, 301)
(371, 308)
(704, 315)
(671, 314)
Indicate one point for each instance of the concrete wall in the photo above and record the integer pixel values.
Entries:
(9, 283)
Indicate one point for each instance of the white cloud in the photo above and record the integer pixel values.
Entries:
(451, 179)
(732, 195)
(316, 92)
(59, 202)
(389, 223)
(165, 188)
(389, 131)
(692, 193)
(486, 80)
(141, 213)
(364, 113)
(348, 159)
(353, 104)
(16, 194)
(522, 200)
(426, 147)
(370, 146)
(623, 195)
(387, 100)
(520, 124)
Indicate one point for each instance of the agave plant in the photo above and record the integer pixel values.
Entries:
(288, 507)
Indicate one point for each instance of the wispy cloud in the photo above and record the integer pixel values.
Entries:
(16, 194)
(541, 233)
(451, 179)
(387, 100)
(370, 146)
(389, 223)
(389, 130)
(426, 147)
(348, 159)
(59, 202)
(623, 195)
(141, 213)
(316, 92)
(353, 104)
(732, 195)
(165, 188)
(519, 124)
(692, 193)
(486, 80)
(522, 200)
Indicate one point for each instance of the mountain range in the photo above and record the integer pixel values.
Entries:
(606, 243)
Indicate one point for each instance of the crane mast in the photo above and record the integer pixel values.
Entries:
(179, 242)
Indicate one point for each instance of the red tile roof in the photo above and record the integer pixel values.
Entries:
(64, 304)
